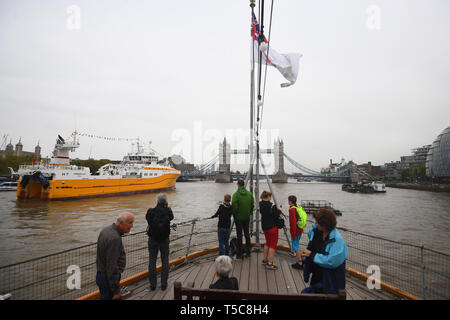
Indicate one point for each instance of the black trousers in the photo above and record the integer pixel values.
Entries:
(242, 225)
(153, 248)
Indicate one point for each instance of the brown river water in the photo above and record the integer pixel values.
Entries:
(33, 228)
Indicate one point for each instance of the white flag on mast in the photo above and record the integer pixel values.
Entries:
(287, 64)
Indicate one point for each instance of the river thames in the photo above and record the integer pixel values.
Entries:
(33, 228)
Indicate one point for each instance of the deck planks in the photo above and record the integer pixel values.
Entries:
(237, 266)
(271, 281)
(290, 283)
(209, 277)
(279, 276)
(252, 276)
(261, 272)
(180, 277)
(245, 274)
(204, 268)
(297, 275)
(192, 275)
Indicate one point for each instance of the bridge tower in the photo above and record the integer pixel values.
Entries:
(224, 174)
(278, 152)
(354, 175)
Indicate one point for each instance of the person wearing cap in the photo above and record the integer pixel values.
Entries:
(243, 204)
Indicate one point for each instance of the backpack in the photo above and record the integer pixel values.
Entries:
(233, 247)
(301, 215)
(159, 229)
(279, 221)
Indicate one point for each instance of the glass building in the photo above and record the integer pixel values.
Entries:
(438, 157)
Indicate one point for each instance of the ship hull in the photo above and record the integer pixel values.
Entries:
(93, 188)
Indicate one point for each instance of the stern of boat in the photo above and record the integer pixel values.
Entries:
(33, 189)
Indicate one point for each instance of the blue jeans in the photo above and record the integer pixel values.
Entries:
(315, 288)
(224, 246)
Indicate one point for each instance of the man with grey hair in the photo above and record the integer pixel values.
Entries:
(158, 232)
(223, 265)
(111, 257)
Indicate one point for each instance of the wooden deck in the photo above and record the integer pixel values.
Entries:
(252, 276)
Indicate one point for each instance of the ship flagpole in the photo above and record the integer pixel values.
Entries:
(256, 126)
(254, 174)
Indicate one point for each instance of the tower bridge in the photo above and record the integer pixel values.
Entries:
(224, 174)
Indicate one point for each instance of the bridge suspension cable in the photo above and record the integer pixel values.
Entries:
(301, 167)
(312, 172)
(207, 166)
(364, 173)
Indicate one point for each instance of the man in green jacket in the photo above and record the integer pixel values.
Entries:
(243, 203)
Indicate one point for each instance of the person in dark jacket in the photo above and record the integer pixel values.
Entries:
(269, 214)
(243, 204)
(326, 254)
(223, 226)
(158, 232)
(111, 258)
(223, 265)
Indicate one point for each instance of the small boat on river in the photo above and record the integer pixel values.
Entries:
(314, 205)
(8, 186)
(373, 187)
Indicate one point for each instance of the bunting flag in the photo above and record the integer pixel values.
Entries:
(287, 64)
(103, 137)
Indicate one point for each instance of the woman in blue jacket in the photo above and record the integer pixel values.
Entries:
(325, 255)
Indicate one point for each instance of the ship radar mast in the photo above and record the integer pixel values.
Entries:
(62, 149)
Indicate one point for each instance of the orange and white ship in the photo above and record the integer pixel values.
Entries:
(139, 172)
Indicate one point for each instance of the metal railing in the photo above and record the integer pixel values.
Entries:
(414, 269)
(422, 272)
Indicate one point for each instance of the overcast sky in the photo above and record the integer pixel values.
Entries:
(373, 83)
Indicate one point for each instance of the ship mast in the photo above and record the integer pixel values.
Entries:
(252, 121)
(255, 156)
